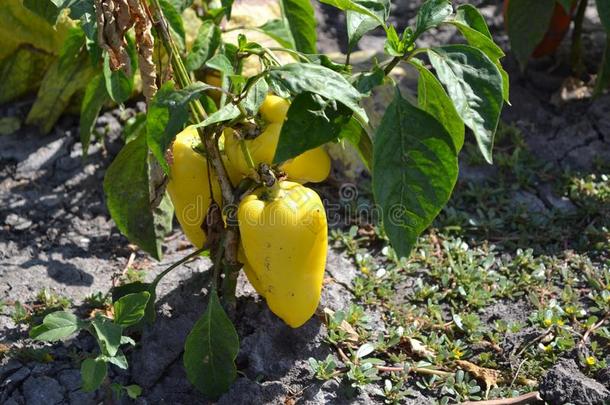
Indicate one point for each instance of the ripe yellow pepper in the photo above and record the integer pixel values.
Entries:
(188, 186)
(284, 238)
(213, 78)
(274, 108)
(311, 166)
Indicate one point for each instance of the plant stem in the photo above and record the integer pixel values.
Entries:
(216, 266)
(176, 264)
(576, 51)
(290, 51)
(395, 61)
(247, 155)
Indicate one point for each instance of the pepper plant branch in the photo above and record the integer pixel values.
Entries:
(230, 239)
(176, 264)
(397, 59)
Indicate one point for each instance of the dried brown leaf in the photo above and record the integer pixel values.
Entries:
(487, 376)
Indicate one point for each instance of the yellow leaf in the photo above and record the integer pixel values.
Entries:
(20, 26)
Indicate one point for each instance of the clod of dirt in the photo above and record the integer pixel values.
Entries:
(42, 391)
(565, 383)
(513, 342)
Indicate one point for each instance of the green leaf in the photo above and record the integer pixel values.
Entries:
(433, 99)
(431, 14)
(133, 288)
(95, 98)
(181, 5)
(603, 75)
(126, 340)
(128, 310)
(228, 6)
(47, 9)
(279, 31)
(527, 22)
(92, 373)
(475, 85)
(256, 96)
(221, 63)
(359, 6)
(324, 60)
(206, 43)
(176, 26)
(472, 26)
(108, 335)
(298, 78)
(302, 24)
(567, 4)
(226, 113)
(603, 10)
(56, 326)
(133, 391)
(84, 11)
(359, 24)
(134, 127)
(414, 171)
(167, 114)
(393, 45)
(210, 351)
(369, 80)
(310, 123)
(470, 16)
(70, 50)
(357, 136)
(119, 86)
(118, 360)
(126, 187)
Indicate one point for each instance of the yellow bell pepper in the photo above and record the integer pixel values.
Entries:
(311, 166)
(284, 238)
(274, 109)
(189, 187)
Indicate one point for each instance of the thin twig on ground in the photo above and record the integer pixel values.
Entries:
(529, 398)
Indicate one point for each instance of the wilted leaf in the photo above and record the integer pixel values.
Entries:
(128, 197)
(95, 97)
(419, 349)
(67, 75)
(18, 26)
(20, 73)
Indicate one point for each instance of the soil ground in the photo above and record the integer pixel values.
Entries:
(511, 277)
